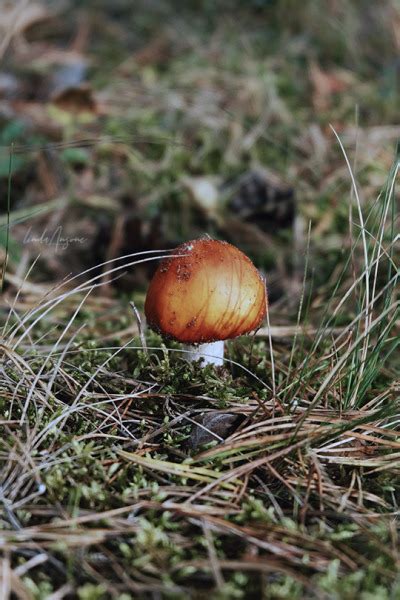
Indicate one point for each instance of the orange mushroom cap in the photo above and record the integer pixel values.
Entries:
(208, 291)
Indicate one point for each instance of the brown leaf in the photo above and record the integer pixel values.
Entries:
(326, 85)
(156, 52)
(78, 99)
(213, 427)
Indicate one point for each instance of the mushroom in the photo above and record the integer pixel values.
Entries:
(207, 292)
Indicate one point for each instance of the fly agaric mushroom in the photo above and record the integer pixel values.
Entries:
(208, 292)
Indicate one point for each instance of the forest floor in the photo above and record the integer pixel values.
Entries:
(127, 472)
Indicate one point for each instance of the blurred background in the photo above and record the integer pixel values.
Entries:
(135, 126)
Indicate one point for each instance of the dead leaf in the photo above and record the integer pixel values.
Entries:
(326, 85)
(156, 52)
(78, 99)
(213, 427)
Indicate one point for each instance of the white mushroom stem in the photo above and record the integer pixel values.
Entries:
(209, 354)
